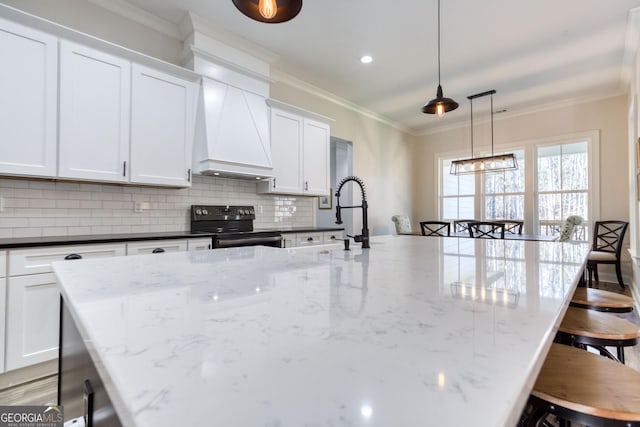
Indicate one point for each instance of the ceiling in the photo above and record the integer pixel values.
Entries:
(535, 54)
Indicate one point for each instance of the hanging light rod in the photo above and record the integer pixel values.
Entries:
(492, 163)
(439, 105)
(269, 11)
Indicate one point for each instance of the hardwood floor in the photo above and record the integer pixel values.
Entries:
(40, 392)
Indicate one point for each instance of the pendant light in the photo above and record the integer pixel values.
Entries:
(269, 11)
(439, 105)
(492, 163)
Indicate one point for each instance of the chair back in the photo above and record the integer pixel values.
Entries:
(402, 223)
(461, 225)
(512, 226)
(608, 236)
(435, 228)
(486, 230)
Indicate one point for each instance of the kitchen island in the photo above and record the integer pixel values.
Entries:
(414, 331)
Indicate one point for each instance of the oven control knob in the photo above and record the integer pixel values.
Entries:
(205, 212)
(198, 212)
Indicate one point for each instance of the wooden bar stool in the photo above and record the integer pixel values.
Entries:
(597, 299)
(581, 327)
(579, 386)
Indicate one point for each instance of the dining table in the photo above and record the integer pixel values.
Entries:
(507, 236)
(412, 331)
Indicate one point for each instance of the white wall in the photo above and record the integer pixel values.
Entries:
(608, 116)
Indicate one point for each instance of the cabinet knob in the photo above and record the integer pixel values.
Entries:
(72, 257)
(157, 251)
(309, 239)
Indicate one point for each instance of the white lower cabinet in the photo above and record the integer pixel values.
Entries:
(333, 236)
(33, 301)
(200, 244)
(156, 246)
(3, 307)
(32, 320)
(308, 239)
(298, 240)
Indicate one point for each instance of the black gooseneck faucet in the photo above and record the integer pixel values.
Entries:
(364, 237)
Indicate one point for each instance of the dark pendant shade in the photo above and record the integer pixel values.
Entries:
(448, 104)
(439, 105)
(287, 9)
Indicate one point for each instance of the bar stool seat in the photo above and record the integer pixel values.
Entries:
(582, 327)
(597, 299)
(576, 385)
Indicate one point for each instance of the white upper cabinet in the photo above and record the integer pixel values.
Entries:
(94, 114)
(162, 125)
(316, 157)
(28, 101)
(300, 149)
(76, 107)
(286, 149)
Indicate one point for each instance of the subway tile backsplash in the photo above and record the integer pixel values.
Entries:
(34, 208)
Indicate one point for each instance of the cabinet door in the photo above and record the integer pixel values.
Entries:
(162, 126)
(286, 152)
(316, 157)
(308, 239)
(200, 244)
(38, 260)
(156, 246)
(3, 307)
(32, 320)
(94, 114)
(28, 105)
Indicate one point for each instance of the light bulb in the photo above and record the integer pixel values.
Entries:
(268, 8)
(440, 109)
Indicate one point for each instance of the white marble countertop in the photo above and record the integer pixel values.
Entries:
(415, 331)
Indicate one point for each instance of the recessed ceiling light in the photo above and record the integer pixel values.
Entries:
(366, 59)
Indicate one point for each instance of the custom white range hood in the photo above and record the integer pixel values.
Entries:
(232, 124)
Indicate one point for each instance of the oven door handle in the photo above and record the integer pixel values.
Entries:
(245, 241)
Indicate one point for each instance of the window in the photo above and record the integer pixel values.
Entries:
(503, 193)
(458, 194)
(556, 178)
(562, 185)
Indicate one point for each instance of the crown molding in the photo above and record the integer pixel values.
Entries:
(525, 111)
(192, 23)
(631, 44)
(282, 77)
(123, 8)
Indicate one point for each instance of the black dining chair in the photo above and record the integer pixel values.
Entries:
(462, 225)
(435, 228)
(512, 226)
(486, 230)
(607, 246)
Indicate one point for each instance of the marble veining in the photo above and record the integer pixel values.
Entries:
(414, 331)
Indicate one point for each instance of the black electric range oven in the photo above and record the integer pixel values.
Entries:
(232, 226)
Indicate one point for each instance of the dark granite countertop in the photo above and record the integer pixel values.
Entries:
(26, 242)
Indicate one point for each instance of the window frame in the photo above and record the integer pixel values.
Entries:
(530, 147)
